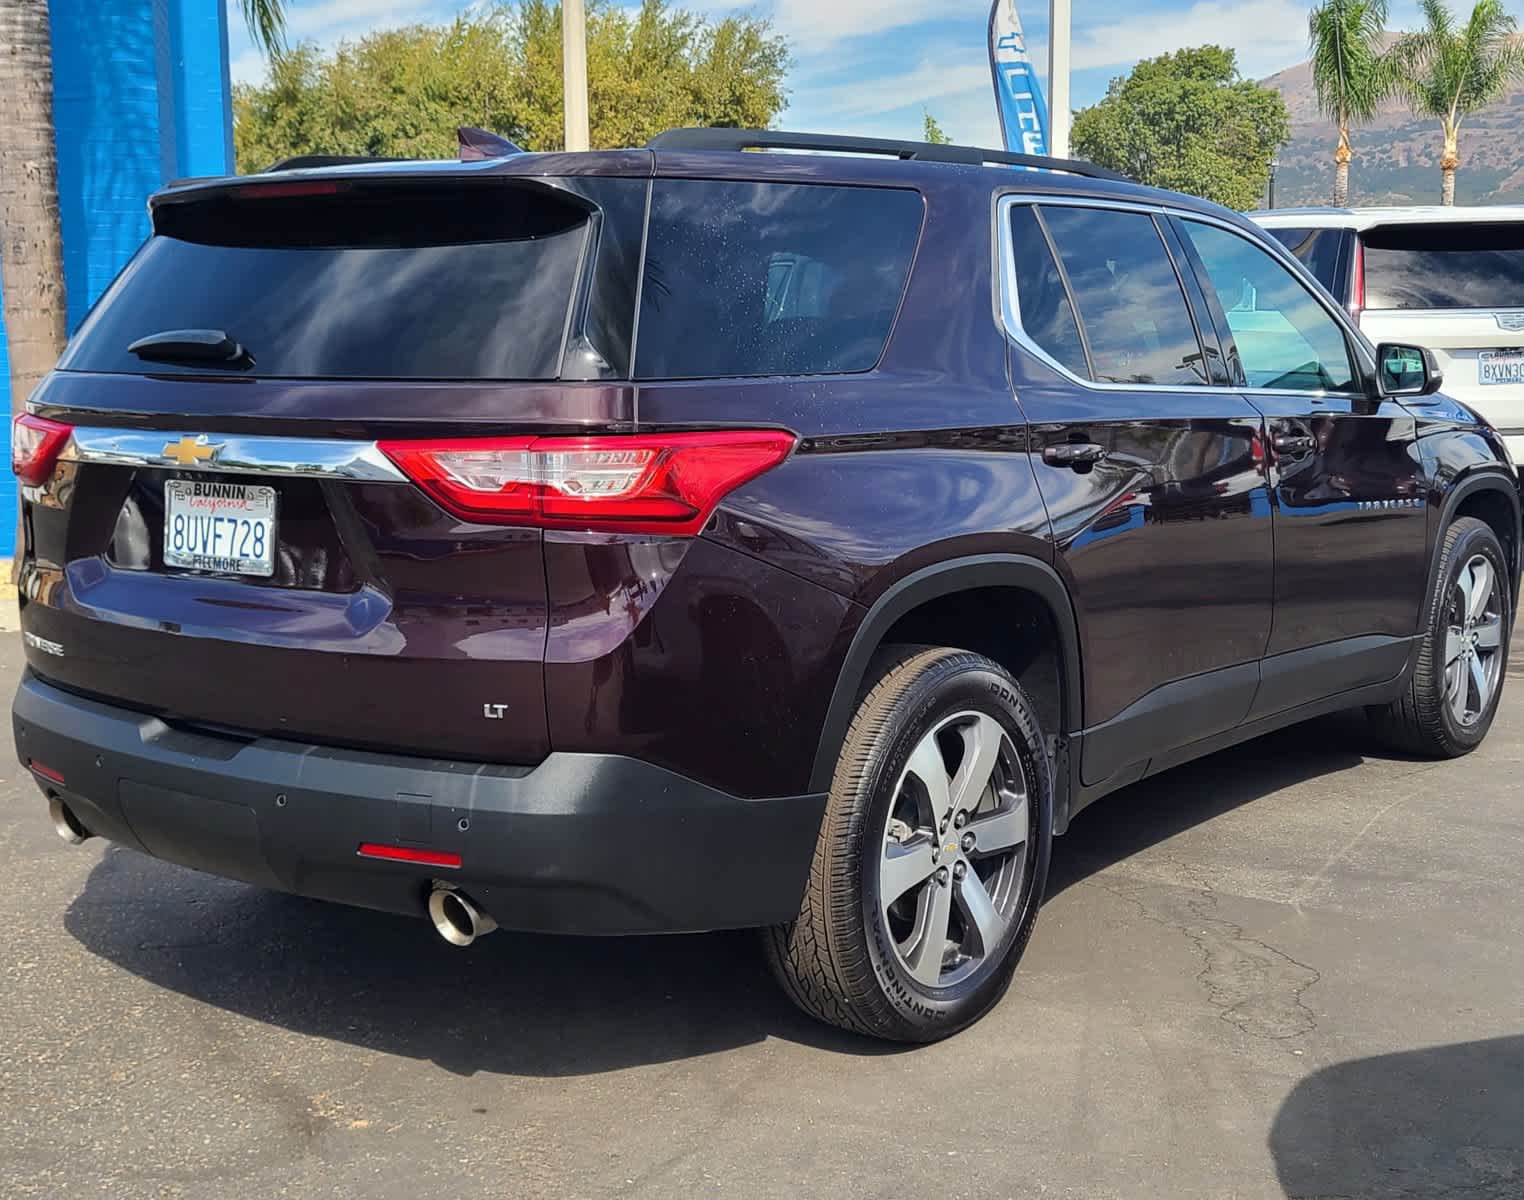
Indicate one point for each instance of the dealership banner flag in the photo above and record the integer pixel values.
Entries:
(1018, 96)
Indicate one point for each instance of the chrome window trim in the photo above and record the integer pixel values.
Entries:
(1010, 312)
(235, 454)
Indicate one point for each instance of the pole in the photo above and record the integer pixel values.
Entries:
(1274, 163)
(1058, 78)
(574, 72)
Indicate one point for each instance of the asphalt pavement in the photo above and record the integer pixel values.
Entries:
(1293, 969)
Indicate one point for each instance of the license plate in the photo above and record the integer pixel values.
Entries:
(1500, 366)
(227, 527)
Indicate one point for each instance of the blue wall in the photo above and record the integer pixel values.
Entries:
(140, 96)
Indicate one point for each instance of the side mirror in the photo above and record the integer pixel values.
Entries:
(1406, 370)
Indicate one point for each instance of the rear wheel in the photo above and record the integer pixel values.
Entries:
(932, 856)
(1452, 697)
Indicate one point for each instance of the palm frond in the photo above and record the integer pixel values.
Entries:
(266, 22)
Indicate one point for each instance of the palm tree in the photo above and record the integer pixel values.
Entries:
(1449, 73)
(1350, 72)
(31, 248)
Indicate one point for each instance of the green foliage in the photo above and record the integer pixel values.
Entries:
(1449, 73)
(932, 131)
(1189, 122)
(1350, 73)
(403, 92)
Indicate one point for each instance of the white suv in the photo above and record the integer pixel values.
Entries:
(1451, 279)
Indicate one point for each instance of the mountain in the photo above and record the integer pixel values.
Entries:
(1396, 157)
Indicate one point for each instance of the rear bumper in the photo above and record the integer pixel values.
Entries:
(582, 843)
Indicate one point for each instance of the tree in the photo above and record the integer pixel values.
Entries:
(1449, 73)
(1350, 72)
(31, 248)
(932, 131)
(1189, 122)
(403, 92)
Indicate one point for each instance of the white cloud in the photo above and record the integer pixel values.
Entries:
(1267, 34)
(816, 25)
(928, 81)
(248, 67)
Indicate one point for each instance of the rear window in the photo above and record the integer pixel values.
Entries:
(1445, 266)
(771, 279)
(1317, 249)
(421, 282)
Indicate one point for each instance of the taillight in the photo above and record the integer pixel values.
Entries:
(1357, 281)
(36, 443)
(648, 483)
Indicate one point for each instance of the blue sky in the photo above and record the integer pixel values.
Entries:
(871, 66)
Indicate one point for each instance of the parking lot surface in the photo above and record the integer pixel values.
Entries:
(1295, 968)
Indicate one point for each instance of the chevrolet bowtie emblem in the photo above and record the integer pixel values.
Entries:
(189, 451)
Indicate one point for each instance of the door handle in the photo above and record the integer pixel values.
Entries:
(1292, 443)
(1079, 456)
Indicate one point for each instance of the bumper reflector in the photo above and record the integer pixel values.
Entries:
(45, 771)
(431, 858)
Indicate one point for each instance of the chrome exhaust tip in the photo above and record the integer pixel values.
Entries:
(456, 918)
(65, 824)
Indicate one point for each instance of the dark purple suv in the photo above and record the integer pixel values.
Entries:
(684, 538)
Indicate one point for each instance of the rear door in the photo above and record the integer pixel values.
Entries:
(1350, 515)
(1457, 288)
(226, 541)
(1152, 472)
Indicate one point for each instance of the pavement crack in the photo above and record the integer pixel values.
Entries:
(1252, 984)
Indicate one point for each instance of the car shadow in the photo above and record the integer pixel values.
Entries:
(1119, 825)
(520, 1004)
(1443, 1121)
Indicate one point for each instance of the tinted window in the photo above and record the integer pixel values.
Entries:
(1445, 266)
(1128, 296)
(771, 279)
(1286, 339)
(1317, 249)
(1046, 314)
(475, 283)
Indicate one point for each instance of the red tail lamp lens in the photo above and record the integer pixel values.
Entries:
(36, 443)
(660, 483)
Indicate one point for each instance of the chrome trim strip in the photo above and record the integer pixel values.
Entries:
(1010, 313)
(235, 454)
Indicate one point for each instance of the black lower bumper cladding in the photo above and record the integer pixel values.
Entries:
(581, 843)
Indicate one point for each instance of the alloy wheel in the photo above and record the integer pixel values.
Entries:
(1473, 641)
(955, 849)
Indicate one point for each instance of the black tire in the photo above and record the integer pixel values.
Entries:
(838, 960)
(1421, 721)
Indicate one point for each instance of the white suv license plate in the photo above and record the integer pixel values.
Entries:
(1500, 366)
(213, 526)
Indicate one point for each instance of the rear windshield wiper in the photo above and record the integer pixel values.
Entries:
(211, 347)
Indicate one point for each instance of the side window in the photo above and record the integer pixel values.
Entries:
(1317, 249)
(1128, 297)
(1286, 340)
(771, 278)
(1047, 317)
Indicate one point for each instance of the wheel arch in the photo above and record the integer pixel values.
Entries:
(1491, 496)
(919, 593)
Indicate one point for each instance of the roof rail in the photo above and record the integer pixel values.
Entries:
(774, 139)
(325, 160)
